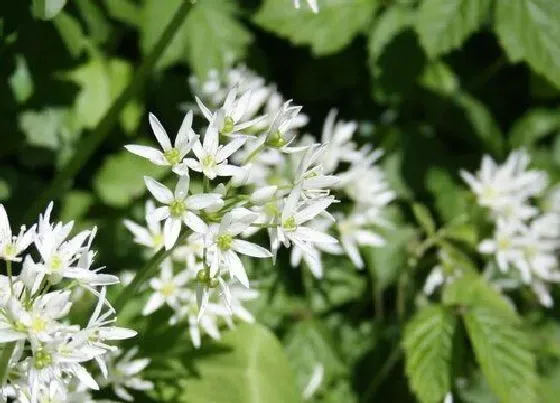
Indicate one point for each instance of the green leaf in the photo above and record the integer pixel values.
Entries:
(502, 349)
(439, 78)
(71, 33)
(424, 218)
(44, 128)
(47, 9)
(118, 181)
(471, 289)
(20, 81)
(215, 39)
(99, 28)
(75, 205)
(253, 369)
(307, 344)
(389, 24)
(125, 11)
(328, 31)
(428, 346)
(528, 31)
(534, 125)
(209, 38)
(443, 25)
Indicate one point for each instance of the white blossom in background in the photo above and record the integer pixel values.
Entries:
(54, 359)
(253, 174)
(526, 239)
(314, 382)
(311, 3)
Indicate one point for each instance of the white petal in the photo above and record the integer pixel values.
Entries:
(159, 132)
(153, 303)
(205, 111)
(194, 222)
(229, 148)
(171, 230)
(369, 238)
(211, 140)
(202, 201)
(159, 214)
(5, 231)
(182, 187)
(250, 249)
(236, 268)
(229, 170)
(160, 192)
(314, 236)
(185, 134)
(151, 153)
(312, 210)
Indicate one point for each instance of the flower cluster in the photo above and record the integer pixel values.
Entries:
(525, 238)
(248, 171)
(46, 357)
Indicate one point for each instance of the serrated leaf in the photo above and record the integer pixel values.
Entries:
(118, 181)
(428, 346)
(534, 125)
(328, 31)
(215, 39)
(443, 25)
(424, 218)
(389, 24)
(528, 30)
(254, 370)
(47, 9)
(472, 290)
(20, 81)
(503, 351)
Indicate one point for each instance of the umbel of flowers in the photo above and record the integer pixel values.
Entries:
(46, 357)
(244, 185)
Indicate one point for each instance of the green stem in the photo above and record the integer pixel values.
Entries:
(4, 360)
(10, 277)
(149, 269)
(254, 153)
(90, 143)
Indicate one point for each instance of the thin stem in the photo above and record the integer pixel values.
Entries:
(4, 360)
(10, 277)
(205, 183)
(149, 269)
(90, 143)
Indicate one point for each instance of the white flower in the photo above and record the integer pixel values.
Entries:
(171, 155)
(504, 189)
(12, 246)
(211, 157)
(223, 244)
(312, 4)
(179, 207)
(295, 214)
(278, 134)
(152, 236)
(124, 373)
(229, 119)
(310, 173)
(337, 142)
(353, 235)
(168, 289)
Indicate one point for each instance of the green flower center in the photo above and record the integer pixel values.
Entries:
(56, 263)
(504, 243)
(224, 241)
(168, 289)
(157, 239)
(289, 224)
(42, 359)
(10, 250)
(208, 161)
(173, 156)
(227, 128)
(38, 324)
(276, 140)
(177, 208)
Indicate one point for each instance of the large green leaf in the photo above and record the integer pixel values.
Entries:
(443, 25)
(528, 31)
(209, 38)
(326, 32)
(252, 369)
(502, 349)
(428, 345)
(120, 178)
(308, 343)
